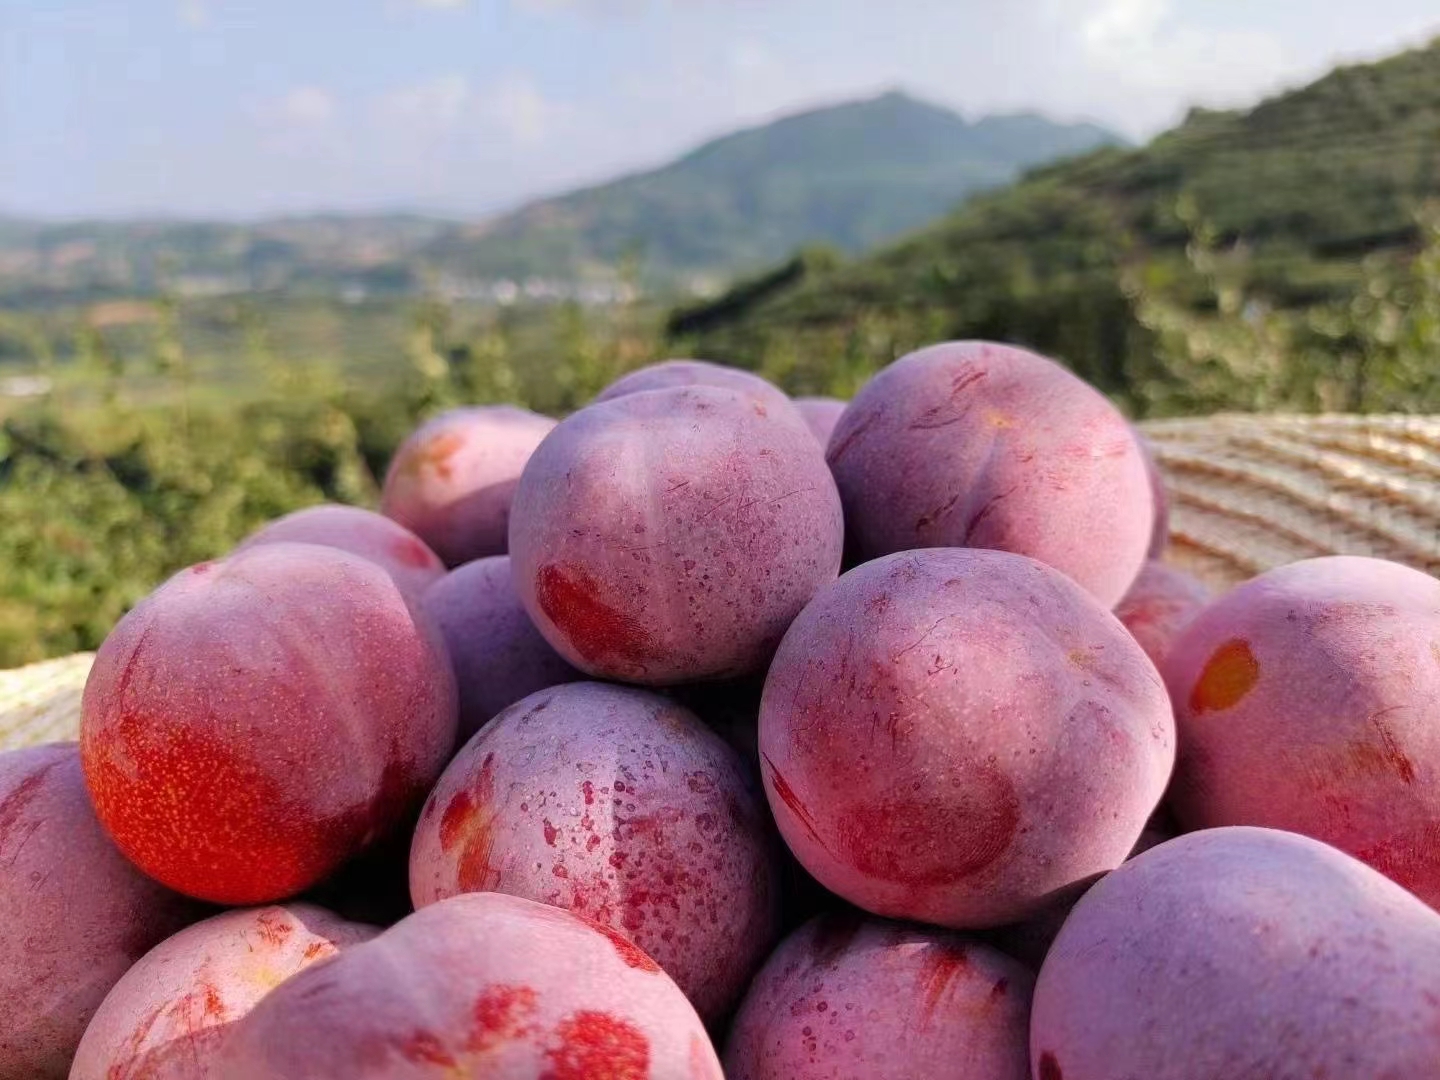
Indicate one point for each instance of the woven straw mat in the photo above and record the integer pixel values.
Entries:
(1247, 493)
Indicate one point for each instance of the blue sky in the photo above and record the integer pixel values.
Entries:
(239, 109)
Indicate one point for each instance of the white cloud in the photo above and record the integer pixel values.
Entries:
(306, 106)
(193, 12)
(519, 109)
(433, 105)
(452, 107)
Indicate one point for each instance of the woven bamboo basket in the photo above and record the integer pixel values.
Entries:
(1247, 493)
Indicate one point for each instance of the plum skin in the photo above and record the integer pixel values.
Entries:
(74, 914)
(672, 535)
(1306, 700)
(217, 759)
(873, 1000)
(478, 985)
(452, 479)
(498, 655)
(165, 1019)
(621, 806)
(1159, 606)
(371, 536)
(957, 736)
(974, 444)
(1241, 952)
(821, 414)
(677, 374)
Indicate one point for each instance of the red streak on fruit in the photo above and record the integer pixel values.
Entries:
(550, 832)
(214, 1003)
(1407, 858)
(598, 1046)
(1229, 674)
(632, 954)
(317, 949)
(942, 964)
(475, 874)
(500, 1015)
(934, 842)
(1395, 757)
(455, 822)
(14, 804)
(600, 632)
(588, 790)
(786, 794)
(1050, 1068)
(425, 1048)
(272, 928)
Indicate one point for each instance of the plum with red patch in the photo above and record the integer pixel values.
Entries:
(1159, 606)
(672, 535)
(498, 655)
(972, 444)
(1241, 952)
(166, 1019)
(1308, 699)
(452, 480)
(361, 532)
(250, 727)
(875, 1000)
(482, 984)
(957, 736)
(622, 806)
(74, 914)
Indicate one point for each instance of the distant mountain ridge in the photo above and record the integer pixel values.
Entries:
(848, 176)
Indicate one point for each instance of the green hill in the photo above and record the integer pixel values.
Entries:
(1264, 222)
(851, 176)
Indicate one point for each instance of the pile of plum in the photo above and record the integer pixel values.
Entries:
(644, 783)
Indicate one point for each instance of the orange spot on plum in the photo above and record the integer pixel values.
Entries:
(598, 630)
(214, 1003)
(317, 949)
(435, 454)
(598, 1046)
(456, 820)
(942, 964)
(1229, 674)
(475, 874)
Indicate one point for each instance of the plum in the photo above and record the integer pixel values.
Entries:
(481, 985)
(371, 536)
(452, 479)
(1241, 953)
(672, 535)
(676, 374)
(254, 723)
(498, 655)
(619, 805)
(822, 414)
(872, 1000)
(1159, 606)
(1308, 699)
(957, 736)
(167, 1017)
(74, 915)
(971, 444)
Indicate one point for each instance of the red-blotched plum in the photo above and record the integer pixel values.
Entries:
(167, 1017)
(361, 532)
(874, 1000)
(74, 914)
(676, 374)
(1241, 953)
(452, 480)
(1159, 495)
(1159, 606)
(672, 535)
(976, 445)
(255, 723)
(1308, 699)
(482, 985)
(622, 806)
(958, 736)
(498, 655)
(822, 414)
